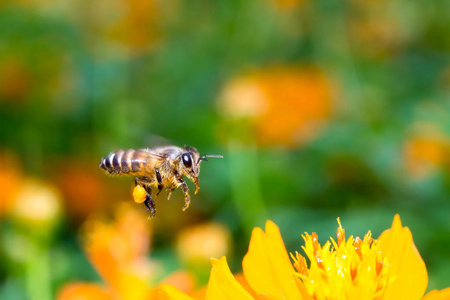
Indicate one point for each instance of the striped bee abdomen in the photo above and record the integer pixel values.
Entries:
(124, 162)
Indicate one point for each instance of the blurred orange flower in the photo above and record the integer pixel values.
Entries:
(131, 22)
(426, 151)
(286, 106)
(118, 251)
(85, 291)
(389, 267)
(287, 5)
(15, 79)
(10, 181)
(84, 188)
(378, 31)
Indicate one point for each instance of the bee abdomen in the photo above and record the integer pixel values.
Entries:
(120, 162)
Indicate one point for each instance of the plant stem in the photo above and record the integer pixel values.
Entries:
(245, 187)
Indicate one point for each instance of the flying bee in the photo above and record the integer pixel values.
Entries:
(159, 167)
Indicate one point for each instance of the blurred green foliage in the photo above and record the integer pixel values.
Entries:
(79, 79)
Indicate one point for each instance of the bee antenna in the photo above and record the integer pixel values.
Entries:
(213, 155)
(204, 157)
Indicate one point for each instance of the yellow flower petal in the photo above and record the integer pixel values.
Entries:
(406, 266)
(169, 292)
(438, 295)
(267, 267)
(222, 284)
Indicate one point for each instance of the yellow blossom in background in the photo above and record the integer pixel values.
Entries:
(285, 106)
(389, 267)
(38, 206)
(199, 243)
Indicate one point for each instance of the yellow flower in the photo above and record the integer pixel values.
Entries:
(389, 267)
(37, 206)
(197, 244)
(438, 295)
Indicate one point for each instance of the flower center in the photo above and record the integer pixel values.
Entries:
(352, 269)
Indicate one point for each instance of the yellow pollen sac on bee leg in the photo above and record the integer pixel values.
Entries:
(139, 194)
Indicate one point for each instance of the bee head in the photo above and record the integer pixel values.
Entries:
(190, 161)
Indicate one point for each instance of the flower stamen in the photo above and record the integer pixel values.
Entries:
(340, 234)
(343, 267)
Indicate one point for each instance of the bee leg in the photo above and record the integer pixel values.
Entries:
(160, 182)
(187, 197)
(142, 181)
(149, 203)
(169, 194)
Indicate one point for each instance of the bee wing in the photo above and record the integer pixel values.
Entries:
(138, 160)
(146, 155)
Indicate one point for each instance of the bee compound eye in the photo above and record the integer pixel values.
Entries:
(187, 161)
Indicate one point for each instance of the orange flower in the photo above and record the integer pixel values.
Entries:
(389, 267)
(10, 181)
(426, 151)
(375, 30)
(118, 251)
(134, 23)
(285, 106)
(288, 5)
(91, 191)
(15, 79)
(84, 291)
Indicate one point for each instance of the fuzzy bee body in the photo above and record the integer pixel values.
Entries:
(160, 167)
(130, 162)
